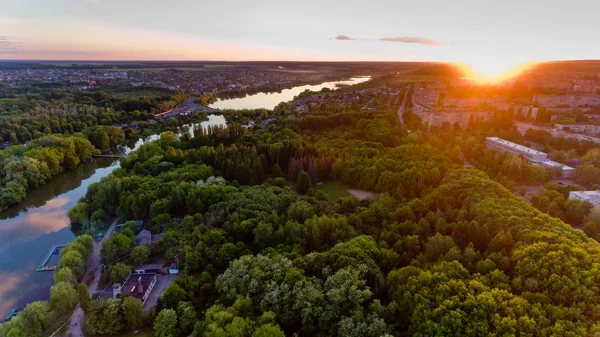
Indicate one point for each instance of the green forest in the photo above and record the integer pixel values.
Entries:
(442, 250)
(33, 111)
(50, 131)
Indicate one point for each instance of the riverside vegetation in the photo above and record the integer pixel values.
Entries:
(442, 250)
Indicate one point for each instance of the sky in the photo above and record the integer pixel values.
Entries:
(490, 35)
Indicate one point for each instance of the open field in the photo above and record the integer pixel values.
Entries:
(334, 190)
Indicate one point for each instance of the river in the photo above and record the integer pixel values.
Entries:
(29, 229)
(270, 100)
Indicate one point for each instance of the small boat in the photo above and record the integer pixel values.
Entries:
(12, 314)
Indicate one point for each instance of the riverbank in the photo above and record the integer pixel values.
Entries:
(30, 228)
(271, 100)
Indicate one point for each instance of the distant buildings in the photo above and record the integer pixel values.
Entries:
(523, 127)
(566, 101)
(534, 156)
(109, 75)
(593, 197)
(582, 128)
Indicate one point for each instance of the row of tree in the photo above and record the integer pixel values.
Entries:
(38, 316)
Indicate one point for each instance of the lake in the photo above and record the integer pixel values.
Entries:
(29, 229)
(271, 100)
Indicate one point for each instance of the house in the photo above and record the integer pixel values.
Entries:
(153, 268)
(136, 285)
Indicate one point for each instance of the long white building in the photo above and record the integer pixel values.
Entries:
(532, 155)
(593, 197)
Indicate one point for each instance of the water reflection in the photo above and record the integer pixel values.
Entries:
(28, 230)
(8, 285)
(270, 100)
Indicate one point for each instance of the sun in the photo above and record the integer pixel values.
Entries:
(493, 72)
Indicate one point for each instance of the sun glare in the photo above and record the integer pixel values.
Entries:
(491, 73)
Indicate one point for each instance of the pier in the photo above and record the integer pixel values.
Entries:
(43, 266)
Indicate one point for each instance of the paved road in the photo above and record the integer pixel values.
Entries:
(402, 107)
(93, 265)
(162, 283)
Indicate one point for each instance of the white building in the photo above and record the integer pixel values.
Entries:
(530, 154)
(534, 156)
(593, 197)
(567, 171)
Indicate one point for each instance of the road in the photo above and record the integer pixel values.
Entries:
(93, 265)
(402, 107)
(187, 107)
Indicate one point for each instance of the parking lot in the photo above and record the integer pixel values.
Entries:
(162, 282)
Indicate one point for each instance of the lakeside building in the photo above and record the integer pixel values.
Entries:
(593, 197)
(136, 285)
(532, 155)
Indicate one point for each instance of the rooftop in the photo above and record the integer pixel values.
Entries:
(552, 163)
(587, 194)
(136, 285)
(515, 146)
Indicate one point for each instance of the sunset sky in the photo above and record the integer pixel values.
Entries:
(489, 35)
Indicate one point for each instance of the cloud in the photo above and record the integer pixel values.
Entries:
(404, 39)
(416, 40)
(344, 38)
(7, 44)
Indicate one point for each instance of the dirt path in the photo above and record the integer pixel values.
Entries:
(93, 266)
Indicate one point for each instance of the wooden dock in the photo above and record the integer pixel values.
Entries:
(43, 266)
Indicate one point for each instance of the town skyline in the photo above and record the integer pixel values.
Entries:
(490, 38)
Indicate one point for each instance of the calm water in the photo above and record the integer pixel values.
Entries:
(29, 229)
(269, 101)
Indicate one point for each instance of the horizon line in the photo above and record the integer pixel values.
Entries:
(265, 61)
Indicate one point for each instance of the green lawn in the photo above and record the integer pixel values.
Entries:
(333, 189)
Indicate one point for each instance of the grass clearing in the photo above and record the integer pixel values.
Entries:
(333, 189)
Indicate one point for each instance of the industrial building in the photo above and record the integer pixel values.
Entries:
(534, 156)
(593, 197)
